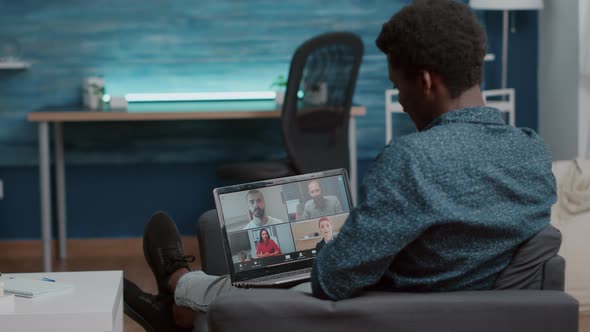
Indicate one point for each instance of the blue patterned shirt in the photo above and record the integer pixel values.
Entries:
(442, 209)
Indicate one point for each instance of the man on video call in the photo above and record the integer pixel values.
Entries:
(257, 209)
(441, 209)
(320, 205)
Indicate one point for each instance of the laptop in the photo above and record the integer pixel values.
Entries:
(273, 230)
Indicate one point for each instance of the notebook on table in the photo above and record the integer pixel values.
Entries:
(31, 288)
(271, 229)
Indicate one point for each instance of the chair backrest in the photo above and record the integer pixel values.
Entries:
(502, 99)
(315, 125)
(390, 108)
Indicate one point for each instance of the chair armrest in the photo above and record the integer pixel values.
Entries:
(509, 310)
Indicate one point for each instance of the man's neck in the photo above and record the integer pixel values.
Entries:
(471, 97)
(260, 221)
(320, 199)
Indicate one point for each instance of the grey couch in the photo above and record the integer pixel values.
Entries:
(528, 296)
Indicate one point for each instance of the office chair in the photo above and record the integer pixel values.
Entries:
(315, 125)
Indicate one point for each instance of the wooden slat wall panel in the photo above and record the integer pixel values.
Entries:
(173, 46)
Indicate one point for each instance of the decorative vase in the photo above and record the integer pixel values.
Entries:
(92, 92)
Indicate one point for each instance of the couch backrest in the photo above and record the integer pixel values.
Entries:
(535, 265)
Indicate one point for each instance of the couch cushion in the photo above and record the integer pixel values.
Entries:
(526, 268)
(465, 311)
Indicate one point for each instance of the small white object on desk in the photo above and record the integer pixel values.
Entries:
(118, 103)
(31, 288)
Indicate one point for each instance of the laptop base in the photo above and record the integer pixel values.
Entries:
(286, 282)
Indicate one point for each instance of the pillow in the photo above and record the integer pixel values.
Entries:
(525, 270)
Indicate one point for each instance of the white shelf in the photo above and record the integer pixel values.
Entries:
(14, 64)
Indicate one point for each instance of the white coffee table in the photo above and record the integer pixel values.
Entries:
(95, 304)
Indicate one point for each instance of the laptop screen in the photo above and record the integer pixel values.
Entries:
(284, 221)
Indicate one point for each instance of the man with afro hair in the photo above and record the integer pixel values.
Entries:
(442, 209)
(445, 208)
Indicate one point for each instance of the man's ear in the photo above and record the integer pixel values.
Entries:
(426, 82)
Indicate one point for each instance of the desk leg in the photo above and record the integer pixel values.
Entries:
(60, 185)
(353, 160)
(45, 188)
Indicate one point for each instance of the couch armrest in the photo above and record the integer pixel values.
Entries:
(211, 244)
(509, 310)
(554, 274)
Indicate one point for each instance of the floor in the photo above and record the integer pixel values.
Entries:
(110, 254)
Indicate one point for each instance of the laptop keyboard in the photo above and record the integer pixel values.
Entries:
(277, 279)
(284, 275)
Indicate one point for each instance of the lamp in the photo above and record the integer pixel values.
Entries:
(505, 6)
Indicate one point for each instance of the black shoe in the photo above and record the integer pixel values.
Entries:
(162, 249)
(153, 313)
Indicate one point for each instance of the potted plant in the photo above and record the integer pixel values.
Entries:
(93, 91)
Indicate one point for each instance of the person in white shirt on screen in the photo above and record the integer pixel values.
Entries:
(258, 212)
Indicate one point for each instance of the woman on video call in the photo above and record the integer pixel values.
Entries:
(326, 230)
(266, 246)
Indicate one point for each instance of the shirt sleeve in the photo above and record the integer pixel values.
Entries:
(391, 213)
(275, 247)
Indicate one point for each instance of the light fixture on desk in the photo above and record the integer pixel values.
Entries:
(198, 96)
(506, 6)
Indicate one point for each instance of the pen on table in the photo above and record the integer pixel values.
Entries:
(47, 279)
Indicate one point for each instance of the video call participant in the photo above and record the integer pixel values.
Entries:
(320, 205)
(257, 210)
(326, 227)
(266, 246)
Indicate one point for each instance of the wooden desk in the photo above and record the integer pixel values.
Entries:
(139, 112)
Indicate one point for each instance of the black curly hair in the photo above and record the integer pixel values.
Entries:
(442, 36)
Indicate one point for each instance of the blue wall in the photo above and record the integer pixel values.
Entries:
(118, 173)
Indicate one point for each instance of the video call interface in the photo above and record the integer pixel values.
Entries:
(284, 223)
